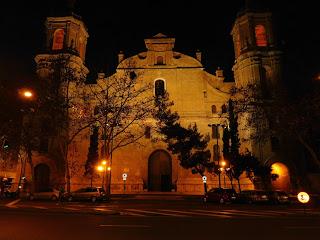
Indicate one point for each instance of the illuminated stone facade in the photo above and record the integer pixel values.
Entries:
(199, 98)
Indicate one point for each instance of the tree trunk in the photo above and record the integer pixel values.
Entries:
(32, 186)
(68, 178)
(239, 185)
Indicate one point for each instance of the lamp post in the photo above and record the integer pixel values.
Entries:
(101, 168)
(223, 164)
(27, 96)
(217, 153)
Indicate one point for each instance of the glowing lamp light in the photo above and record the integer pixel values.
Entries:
(223, 163)
(104, 162)
(27, 94)
(303, 197)
(100, 168)
(109, 168)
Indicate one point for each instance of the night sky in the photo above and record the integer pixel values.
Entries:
(123, 25)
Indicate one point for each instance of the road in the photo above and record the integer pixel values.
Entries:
(154, 219)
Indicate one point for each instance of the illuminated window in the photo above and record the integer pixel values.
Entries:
(159, 88)
(213, 109)
(58, 38)
(160, 60)
(261, 37)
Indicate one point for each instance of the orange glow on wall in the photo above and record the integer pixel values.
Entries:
(283, 181)
(261, 36)
(58, 38)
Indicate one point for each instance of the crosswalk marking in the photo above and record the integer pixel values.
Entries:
(251, 213)
(196, 213)
(11, 204)
(157, 213)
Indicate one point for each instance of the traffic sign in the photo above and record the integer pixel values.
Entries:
(204, 179)
(124, 176)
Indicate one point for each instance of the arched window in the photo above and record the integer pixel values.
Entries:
(261, 36)
(213, 109)
(147, 132)
(224, 108)
(160, 60)
(58, 38)
(159, 88)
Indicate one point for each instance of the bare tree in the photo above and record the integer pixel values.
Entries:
(291, 117)
(122, 104)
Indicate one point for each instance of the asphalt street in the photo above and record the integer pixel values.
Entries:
(155, 219)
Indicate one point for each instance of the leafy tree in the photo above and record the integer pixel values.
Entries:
(187, 143)
(93, 154)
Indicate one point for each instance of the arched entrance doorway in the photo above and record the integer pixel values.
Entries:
(283, 181)
(41, 177)
(160, 171)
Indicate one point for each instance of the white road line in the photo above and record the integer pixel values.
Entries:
(10, 204)
(132, 214)
(157, 213)
(133, 226)
(102, 209)
(204, 213)
(259, 213)
(228, 214)
(39, 207)
(71, 208)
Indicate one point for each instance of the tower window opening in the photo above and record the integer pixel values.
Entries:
(58, 39)
(261, 37)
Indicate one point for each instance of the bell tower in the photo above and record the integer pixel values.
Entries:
(257, 64)
(257, 58)
(66, 40)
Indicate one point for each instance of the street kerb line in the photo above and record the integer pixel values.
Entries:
(157, 213)
(204, 213)
(10, 204)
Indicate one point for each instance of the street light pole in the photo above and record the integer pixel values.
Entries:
(217, 148)
(218, 153)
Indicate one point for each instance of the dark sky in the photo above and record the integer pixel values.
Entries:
(123, 25)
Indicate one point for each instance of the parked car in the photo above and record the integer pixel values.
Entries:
(45, 194)
(89, 193)
(221, 195)
(278, 197)
(253, 196)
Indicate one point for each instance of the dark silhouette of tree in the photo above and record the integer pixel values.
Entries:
(189, 145)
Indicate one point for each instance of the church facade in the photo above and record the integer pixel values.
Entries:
(199, 98)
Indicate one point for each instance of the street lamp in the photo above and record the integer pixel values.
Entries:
(217, 151)
(101, 168)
